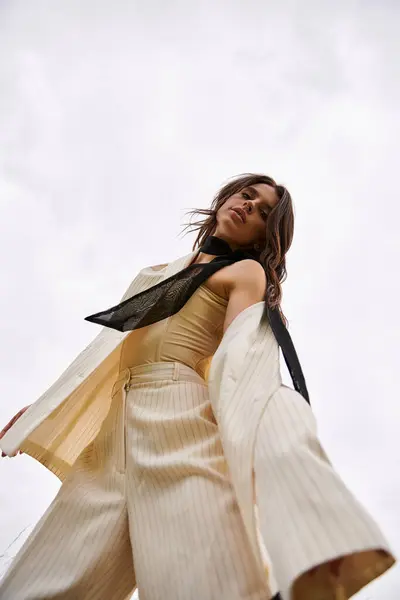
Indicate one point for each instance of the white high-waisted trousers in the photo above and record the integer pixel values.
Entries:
(149, 503)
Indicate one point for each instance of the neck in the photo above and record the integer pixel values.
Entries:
(202, 258)
(227, 239)
(232, 243)
(212, 247)
(216, 245)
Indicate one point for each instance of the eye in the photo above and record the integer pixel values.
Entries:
(246, 195)
(264, 214)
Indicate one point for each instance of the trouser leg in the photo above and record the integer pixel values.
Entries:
(187, 532)
(80, 549)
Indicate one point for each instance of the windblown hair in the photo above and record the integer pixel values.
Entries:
(278, 233)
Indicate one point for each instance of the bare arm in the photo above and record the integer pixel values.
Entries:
(247, 286)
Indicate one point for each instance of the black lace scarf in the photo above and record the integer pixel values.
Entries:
(170, 295)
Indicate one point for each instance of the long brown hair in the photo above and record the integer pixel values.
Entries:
(278, 234)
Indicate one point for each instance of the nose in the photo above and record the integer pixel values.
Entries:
(248, 206)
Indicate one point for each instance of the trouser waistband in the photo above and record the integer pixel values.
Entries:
(157, 371)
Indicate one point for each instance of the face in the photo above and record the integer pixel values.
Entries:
(241, 220)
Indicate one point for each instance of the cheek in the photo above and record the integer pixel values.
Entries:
(220, 214)
(258, 229)
(257, 224)
(225, 209)
(228, 204)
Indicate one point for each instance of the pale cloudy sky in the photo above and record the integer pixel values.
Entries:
(117, 117)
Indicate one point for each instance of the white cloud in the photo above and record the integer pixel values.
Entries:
(117, 119)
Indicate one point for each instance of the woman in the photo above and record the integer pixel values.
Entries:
(188, 469)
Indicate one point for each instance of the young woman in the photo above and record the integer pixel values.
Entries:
(189, 470)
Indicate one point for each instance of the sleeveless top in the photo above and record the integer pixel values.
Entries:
(190, 336)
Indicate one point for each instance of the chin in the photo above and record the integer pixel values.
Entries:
(229, 228)
(228, 233)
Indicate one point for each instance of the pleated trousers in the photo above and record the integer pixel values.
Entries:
(148, 504)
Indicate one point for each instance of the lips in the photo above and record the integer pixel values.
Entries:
(241, 213)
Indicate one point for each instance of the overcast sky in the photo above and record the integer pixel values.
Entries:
(117, 117)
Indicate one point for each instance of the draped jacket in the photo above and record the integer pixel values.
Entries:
(242, 376)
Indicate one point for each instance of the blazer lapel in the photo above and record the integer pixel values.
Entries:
(84, 368)
(180, 263)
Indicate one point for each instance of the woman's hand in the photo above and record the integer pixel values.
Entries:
(10, 424)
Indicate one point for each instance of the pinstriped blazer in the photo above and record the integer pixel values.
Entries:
(68, 416)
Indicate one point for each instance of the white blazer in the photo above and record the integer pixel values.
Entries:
(276, 449)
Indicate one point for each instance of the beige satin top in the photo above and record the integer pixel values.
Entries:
(190, 336)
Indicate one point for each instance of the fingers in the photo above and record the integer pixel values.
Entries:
(8, 426)
(11, 423)
(4, 455)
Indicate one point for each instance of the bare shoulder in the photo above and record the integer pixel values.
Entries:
(247, 274)
(247, 269)
(247, 286)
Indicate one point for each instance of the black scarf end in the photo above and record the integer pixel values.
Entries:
(118, 326)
